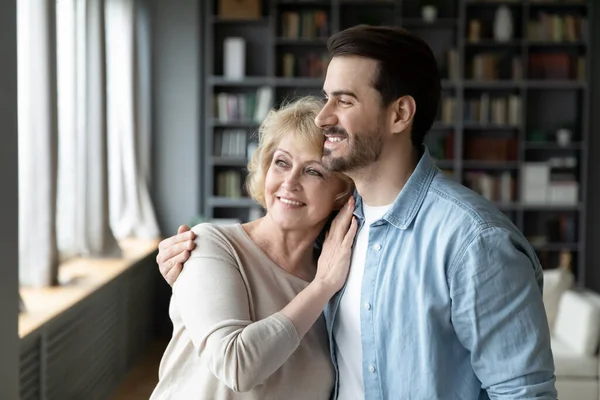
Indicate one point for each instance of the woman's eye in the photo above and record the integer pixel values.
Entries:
(280, 163)
(314, 172)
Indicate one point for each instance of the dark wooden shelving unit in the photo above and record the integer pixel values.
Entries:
(543, 100)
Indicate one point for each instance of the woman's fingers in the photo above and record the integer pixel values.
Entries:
(173, 274)
(174, 251)
(349, 238)
(341, 222)
(167, 253)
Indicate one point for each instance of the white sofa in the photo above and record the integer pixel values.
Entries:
(574, 317)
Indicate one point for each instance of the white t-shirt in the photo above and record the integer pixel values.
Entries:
(346, 330)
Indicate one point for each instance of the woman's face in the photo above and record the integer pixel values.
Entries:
(299, 191)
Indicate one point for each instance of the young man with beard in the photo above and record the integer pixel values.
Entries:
(444, 295)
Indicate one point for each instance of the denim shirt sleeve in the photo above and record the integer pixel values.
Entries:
(499, 317)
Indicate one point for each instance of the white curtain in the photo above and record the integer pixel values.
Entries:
(131, 209)
(37, 121)
(84, 126)
(83, 218)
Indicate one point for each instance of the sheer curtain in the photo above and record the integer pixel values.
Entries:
(83, 215)
(128, 61)
(83, 132)
(37, 122)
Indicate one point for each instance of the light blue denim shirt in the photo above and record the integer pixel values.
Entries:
(451, 300)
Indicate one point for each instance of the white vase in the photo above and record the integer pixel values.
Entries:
(503, 24)
(429, 13)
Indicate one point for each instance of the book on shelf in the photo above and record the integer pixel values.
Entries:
(243, 107)
(491, 149)
(239, 9)
(487, 66)
(230, 143)
(498, 110)
(540, 187)
(560, 66)
(448, 110)
(452, 64)
(229, 184)
(494, 187)
(308, 65)
(554, 27)
(309, 24)
(441, 147)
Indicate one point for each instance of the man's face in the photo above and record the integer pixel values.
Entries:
(352, 119)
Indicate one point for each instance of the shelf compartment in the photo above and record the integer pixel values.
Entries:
(229, 161)
(227, 202)
(246, 81)
(439, 23)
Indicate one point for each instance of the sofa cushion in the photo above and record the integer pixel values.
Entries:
(556, 282)
(577, 323)
(570, 365)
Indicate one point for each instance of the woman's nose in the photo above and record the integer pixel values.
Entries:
(291, 182)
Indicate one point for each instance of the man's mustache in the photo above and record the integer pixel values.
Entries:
(335, 130)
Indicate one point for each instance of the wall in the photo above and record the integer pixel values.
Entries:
(177, 166)
(9, 340)
(592, 270)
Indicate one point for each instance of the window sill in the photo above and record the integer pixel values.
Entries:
(83, 277)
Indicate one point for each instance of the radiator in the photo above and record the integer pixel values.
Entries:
(84, 353)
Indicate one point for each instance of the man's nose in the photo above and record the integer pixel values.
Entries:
(326, 117)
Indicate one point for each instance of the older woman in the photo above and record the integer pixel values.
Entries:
(247, 308)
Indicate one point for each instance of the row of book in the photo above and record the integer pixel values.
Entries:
(537, 187)
(243, 107)
(494, 187)
(233, 143)
(448, 110)
(492, 66)
(309, 24)
(541, 65)
(308, 65)
(229, 183)
(230, 143)
(557, 28)
(557, 66)
(487, 109)
(542, 184)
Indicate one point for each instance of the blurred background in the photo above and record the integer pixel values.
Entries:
(124, 119)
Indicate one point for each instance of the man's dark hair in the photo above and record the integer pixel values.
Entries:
(407, 66)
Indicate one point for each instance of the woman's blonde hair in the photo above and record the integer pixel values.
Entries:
(297, 118)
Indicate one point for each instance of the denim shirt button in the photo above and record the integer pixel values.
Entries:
(368, 306)
(372, 369)
(377, 246)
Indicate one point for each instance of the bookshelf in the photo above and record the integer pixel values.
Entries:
(514, 117)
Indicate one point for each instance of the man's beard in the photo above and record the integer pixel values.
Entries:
(364, 149)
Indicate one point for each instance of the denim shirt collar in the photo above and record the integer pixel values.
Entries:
(409, 200)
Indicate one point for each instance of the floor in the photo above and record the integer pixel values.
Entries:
(140, 382)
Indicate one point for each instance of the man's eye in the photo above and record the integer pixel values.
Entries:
(343, 102)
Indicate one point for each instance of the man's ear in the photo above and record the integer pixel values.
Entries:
(402, 113)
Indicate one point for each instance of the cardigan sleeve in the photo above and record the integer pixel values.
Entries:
(212, 298)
